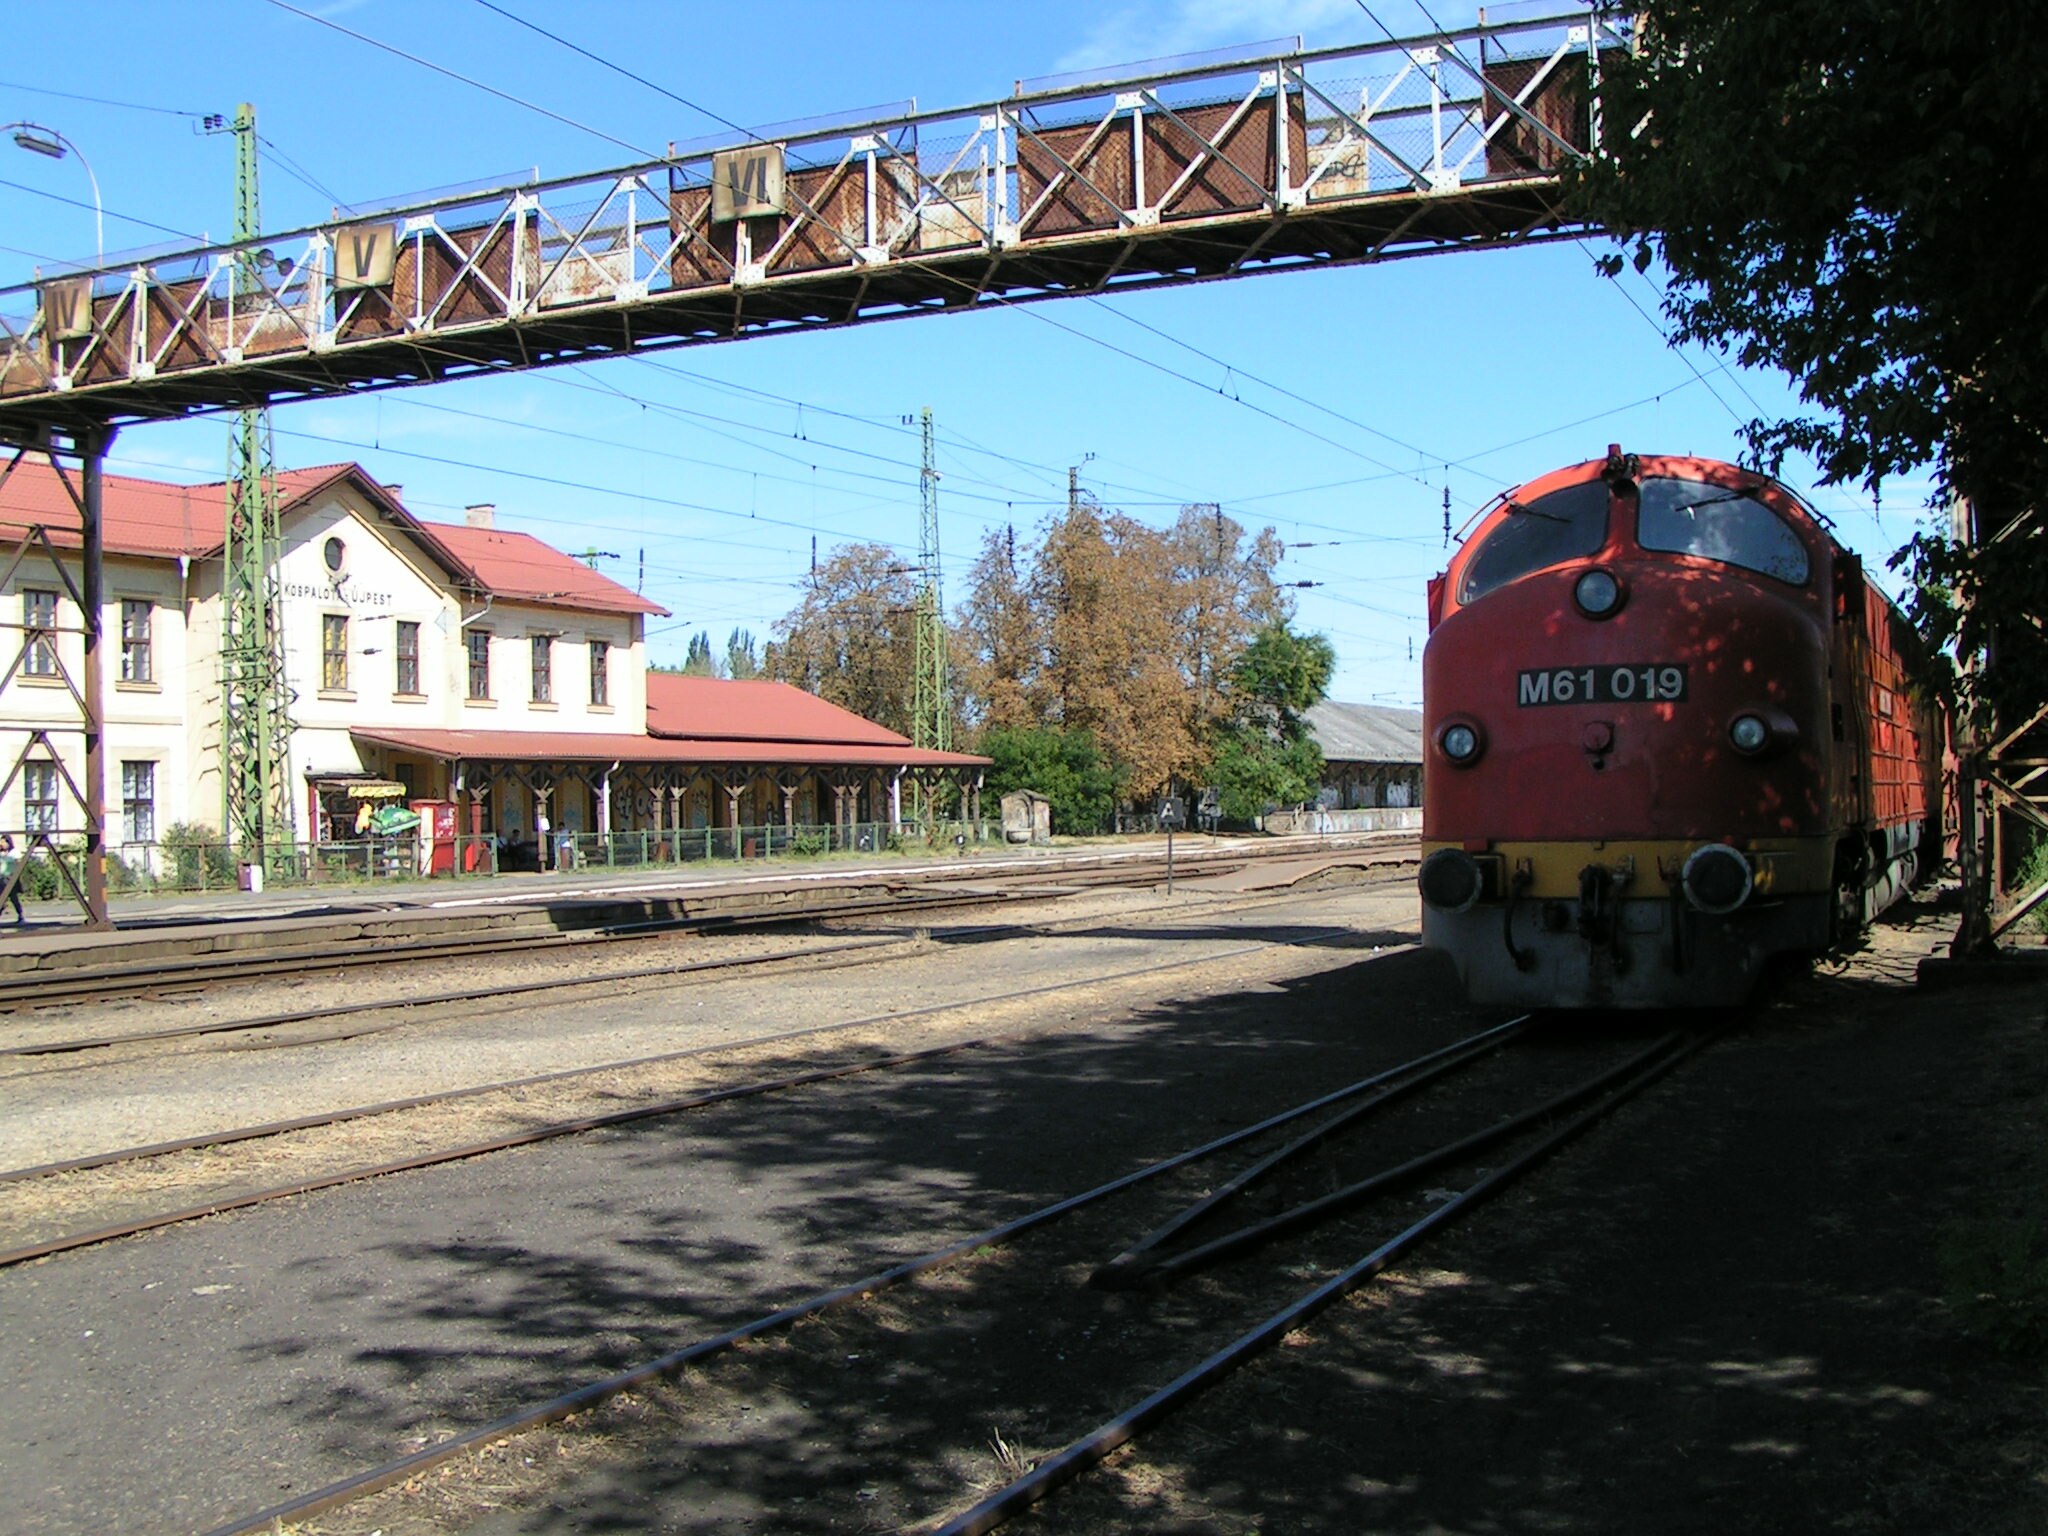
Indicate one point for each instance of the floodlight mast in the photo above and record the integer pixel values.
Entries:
(39, 139)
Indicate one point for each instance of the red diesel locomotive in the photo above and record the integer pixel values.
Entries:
(1667, 735)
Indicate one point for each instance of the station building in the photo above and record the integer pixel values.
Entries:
(460, 663)
(1372, 755)
(1372, 771)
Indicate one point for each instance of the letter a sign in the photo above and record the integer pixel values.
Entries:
(365, 255)
(746, 183)
(67, 309)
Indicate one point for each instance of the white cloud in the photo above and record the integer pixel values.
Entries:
(1153, 29)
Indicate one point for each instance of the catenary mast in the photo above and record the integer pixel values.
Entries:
(256, 729)
(931, 717)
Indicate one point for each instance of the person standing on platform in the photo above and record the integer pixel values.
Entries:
(8, 865)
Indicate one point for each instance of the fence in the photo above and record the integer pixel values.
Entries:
(186, 864)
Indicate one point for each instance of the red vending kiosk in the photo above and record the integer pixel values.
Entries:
(437, 836)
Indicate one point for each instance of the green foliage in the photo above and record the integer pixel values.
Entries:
(39, 878)
(1994, 1273)
(811, 843)
(1818, 176)
(742, 655)
(1062, 765)
(2033, 872)
(123, 876)
(1263, 755)
(1963, 602)
(1255, 770)
(193, 847)
(699, 662)
(1287, 673)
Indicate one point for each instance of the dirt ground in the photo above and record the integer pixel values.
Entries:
(1754, 1300)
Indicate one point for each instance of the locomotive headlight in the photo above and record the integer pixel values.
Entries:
(1762, 732)
(1598, 594)
(1749, 734)
(1461, 742)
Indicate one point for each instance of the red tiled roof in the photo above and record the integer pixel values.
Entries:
(597, 747)
(154, 519)
(140, 517)
(692, 708)
(520, 568)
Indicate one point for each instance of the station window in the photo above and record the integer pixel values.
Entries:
(1689, 517)
(479, 663)
(1565, 525)
(39, 796)
(39, 619)
(137, 664)
(334, 652)
(138, 801)
(408, 657)
(600, 672)
(543, 669)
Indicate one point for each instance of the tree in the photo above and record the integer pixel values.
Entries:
(1000, 643)
(698, 660)
(1062, 765)
(1103, 582)
(742, 658)
(1264, 755)
(1283, 674)
(1223, 591)
(1126, 632)
(1824, 178)
(850, 640)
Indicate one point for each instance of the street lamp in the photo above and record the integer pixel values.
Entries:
(51, 144)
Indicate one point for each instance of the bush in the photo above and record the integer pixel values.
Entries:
(1994, 1273)
(1063, 765)
(195, 849)
(123, 876)
(2033, 871)
(811, 843)
(39, 878)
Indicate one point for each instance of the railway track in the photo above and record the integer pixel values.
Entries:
(868, 950)
(582, 1123)
(1197, 1335)
(159, 977)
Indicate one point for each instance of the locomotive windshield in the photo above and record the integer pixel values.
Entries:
(1565, 525)
(1689, 517)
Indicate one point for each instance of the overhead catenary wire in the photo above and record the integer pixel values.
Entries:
(112, 213)
(100, 101)
(460, 78)
(1151, 363)
(809, 463)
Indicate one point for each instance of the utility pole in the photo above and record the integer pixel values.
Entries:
(256, 725)
(931, 711)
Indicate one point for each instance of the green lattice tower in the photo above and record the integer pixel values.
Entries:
(931, 713)
(256, 728)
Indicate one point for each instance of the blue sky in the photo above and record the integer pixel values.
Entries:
(1499, 365)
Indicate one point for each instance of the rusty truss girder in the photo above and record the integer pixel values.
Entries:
(1202, 171)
